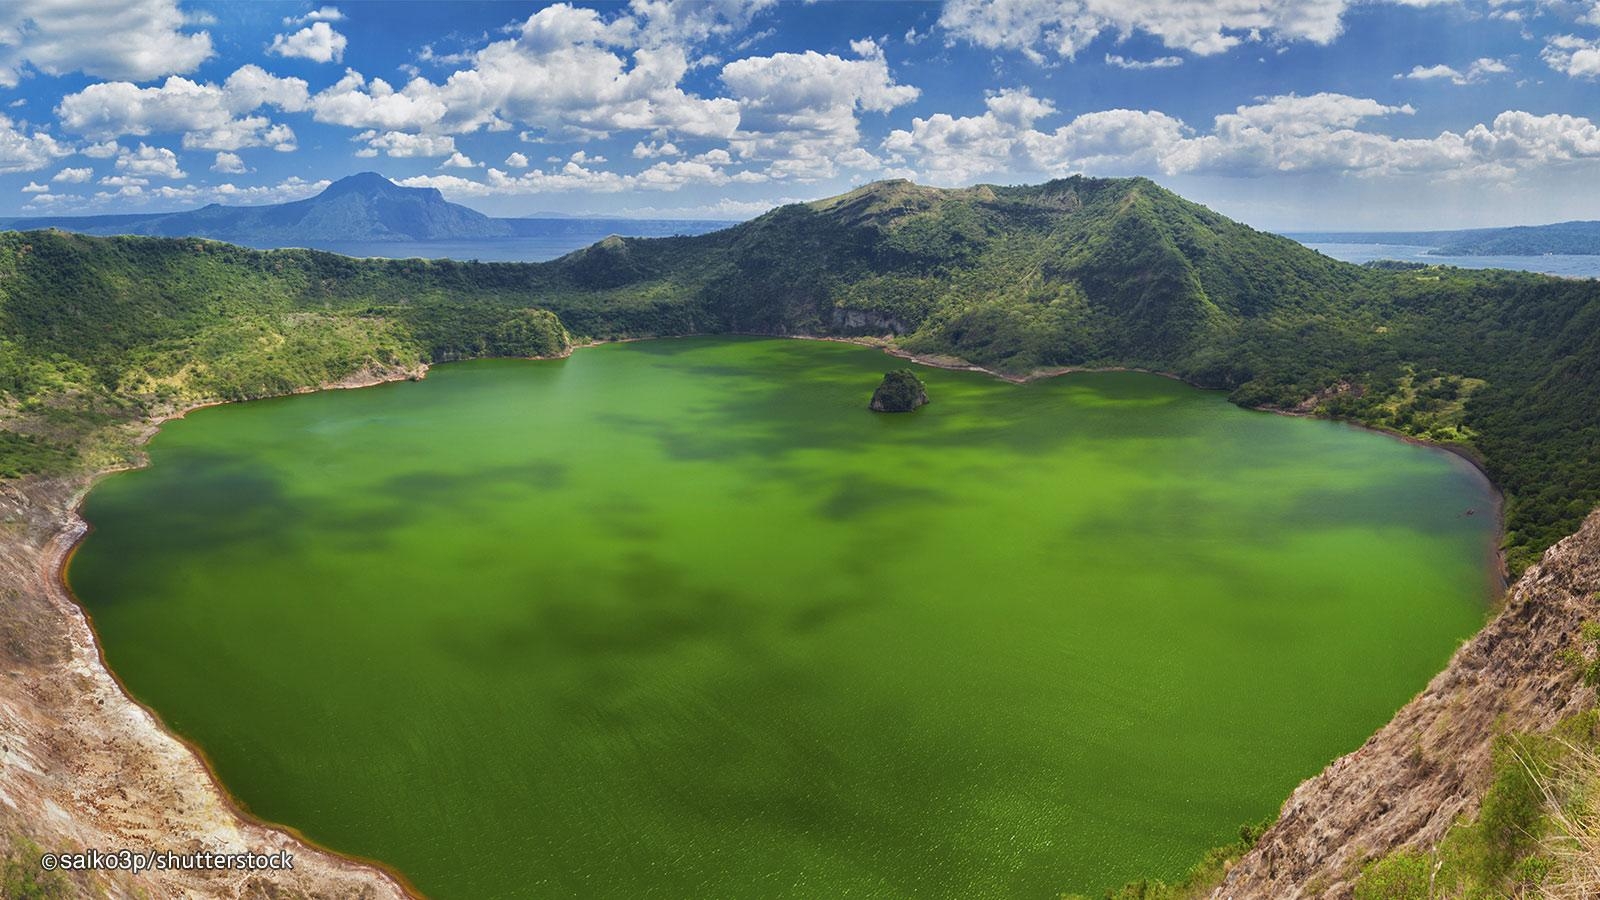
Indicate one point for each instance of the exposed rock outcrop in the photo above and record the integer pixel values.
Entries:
(1432, 763)
(867, 321)
(900, 391)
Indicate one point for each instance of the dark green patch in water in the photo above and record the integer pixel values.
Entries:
(685, 619)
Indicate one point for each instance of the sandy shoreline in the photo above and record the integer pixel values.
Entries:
(181, 771)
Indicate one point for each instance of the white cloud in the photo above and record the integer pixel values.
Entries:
(1572, 55)
(317, 42)
(325, 14)
(355, 102)
(653, 150)
(458, 160)
(211, 117)
(132, 39)
(229, 163)
(134, 192)
(517, 161)
(694, 21)
(573, 176)
(723, 209)
(1160, 62)
(73, 176)
(292, 188)
(800, 109)
(34, 187)
(51, 200)
(563, 74)
(1479, 70)
(102, 150)
(1043, 28)
(1289, 134)
(403, 144)
(584, 158)
(26, 151)
(156, 162)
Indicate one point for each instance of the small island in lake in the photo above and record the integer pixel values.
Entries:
(900, 391)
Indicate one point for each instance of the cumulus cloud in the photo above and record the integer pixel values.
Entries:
(229, 163)
(147, 161)
(567, 72)
(653, 150)
(1041, 29)
(724, 209)
(24, 150)
(325, 14)
(694, 21)
(517, 161)
(575, 176)
(317, 42)
(133, 191)
(1479, 70)
(1320, 133)
(211, 117)
(458, 160)
(800, 110)
(1160, 62)
(134, 39)
(292, 188)
(1572, 55)
(404, 144)
(73, 176)
(34, 187)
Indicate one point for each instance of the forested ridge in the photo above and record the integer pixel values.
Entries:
(99, 332)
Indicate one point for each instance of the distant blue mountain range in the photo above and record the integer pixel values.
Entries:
(1562, 238)
(366, 208)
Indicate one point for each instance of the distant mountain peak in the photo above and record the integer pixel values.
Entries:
(361, 207)
(371, 184)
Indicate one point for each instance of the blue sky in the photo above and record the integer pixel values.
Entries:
(1283, 113)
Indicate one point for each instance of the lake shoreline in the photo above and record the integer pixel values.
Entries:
(71, 529)
(137, 733)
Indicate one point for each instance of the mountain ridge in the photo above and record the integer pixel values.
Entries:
(361, 207)
(1574, 238)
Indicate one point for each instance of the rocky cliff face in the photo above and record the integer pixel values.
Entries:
(1431, 764)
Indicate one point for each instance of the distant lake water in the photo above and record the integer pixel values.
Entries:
(543, 239)
(1567, 266)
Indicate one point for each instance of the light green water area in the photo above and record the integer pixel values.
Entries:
(683, 619)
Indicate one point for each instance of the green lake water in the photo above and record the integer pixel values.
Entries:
(683, 619)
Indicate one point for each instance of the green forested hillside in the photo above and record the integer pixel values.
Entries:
(1076, 272)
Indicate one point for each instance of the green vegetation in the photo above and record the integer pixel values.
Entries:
(21, 877)
(1537, 831)
(1522, 835)
(1571, 238)
(900, 391)
(1075, 272)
